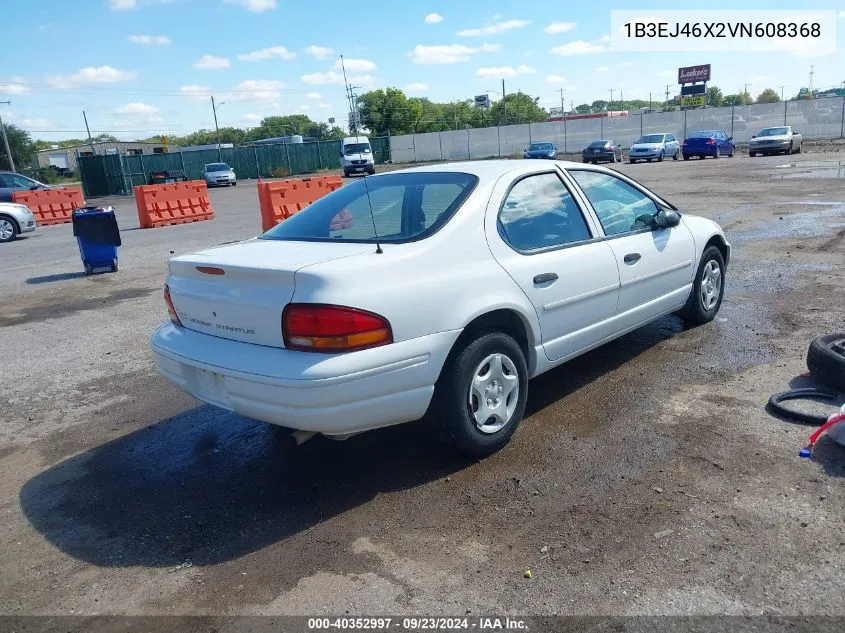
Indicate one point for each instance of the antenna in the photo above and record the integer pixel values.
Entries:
(372, 215)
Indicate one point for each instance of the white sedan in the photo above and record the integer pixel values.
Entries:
(439, 289)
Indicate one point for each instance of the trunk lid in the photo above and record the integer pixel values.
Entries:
(699, 143)
(245, 303)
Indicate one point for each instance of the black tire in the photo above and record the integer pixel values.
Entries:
(686, 156)
(676, 155)
(826, 360)
(632, 161)
(733, 149)
(718, 153)
(752, 154)
(694, 311)
(451, 405)
(789, 151)
(798, 151)
(660, 158)
(15, 230)
(775, 406)
(234, 184)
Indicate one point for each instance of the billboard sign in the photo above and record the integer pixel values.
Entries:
(482, 101)
(692, 74)
(692, 101)
(693, 89)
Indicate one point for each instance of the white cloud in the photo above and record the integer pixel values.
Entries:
(448, 53)
(559, 27)
(578, 47)
(625, 64)
(325, 106)
(158, 40)
(842, 14)
(498, 27)
(27, 123)
(605, 39)
(194, 90)
(667, 73)
(267, 53)
(355, 65)
(212, 62)
(602, 69)
(433, 18)
(256, 90)
(251, 117)
(416, 87)
(90, 75)
(136, 107)
(319, 52)
(504, 71)
(331, 77)
(314, 95)
(256, 6)
(556, 79)
(17, 86)
(122, 5)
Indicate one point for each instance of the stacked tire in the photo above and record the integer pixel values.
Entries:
(826, 360)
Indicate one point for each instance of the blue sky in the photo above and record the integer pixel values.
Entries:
(144, 67)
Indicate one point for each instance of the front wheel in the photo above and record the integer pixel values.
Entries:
(632, 161)
(707, 290)
(660, 158)
(686, 156)
(480, 396)
(676, 155)
(8, 229)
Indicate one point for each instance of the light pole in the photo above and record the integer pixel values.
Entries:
(217, 129)
(6, 140)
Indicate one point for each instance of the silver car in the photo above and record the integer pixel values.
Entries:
(654, 146)
(773, 140)
(14, 220)
(219, 174)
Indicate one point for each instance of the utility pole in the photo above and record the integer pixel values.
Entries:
(353, 128)
(504, 103)
(781, 93)
(611, 99)
(217, 129)
(90, 140)
(666, 103)
(562, 106)
(6, 140)
(810, 88)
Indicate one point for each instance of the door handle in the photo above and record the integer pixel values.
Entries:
(545, 278)
(631, 258)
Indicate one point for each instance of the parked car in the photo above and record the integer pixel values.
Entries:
(356, 156)
(11, 181)
(654, 146)
(540, 150)
(14, 220)
(480, 275)
(219, 174)
(602, 150)
(772, 140)
(715, 143)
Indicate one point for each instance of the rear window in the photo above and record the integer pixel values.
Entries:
(405, 207)
(703, 134)
(599, 143)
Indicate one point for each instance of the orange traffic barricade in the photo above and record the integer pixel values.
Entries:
(175, 203)
(51, 206)
(278, 200)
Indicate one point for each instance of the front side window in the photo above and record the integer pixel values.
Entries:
(388, 208)
(18, 181)
(620, 207)
(539, 212)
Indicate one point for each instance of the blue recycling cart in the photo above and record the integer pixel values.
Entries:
(98, 238)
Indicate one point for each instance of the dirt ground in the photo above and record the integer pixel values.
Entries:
(647, 478)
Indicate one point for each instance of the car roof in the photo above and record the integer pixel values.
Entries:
(484, 169)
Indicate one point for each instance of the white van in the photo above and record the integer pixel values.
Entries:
(356, 156)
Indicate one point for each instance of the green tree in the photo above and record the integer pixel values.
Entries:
(517, 107)
(742, 98)
(583, 109)
(599, 105)
(389, 110)
(768, 96)
(713, 97)
(20, 145)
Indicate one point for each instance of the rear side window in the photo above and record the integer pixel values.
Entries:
(539, 212)
(388, 208)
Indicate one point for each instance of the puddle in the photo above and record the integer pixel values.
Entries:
(813, 169)
(807, 224)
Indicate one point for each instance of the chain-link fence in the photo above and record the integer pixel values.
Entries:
(118, 174)
(814, 119)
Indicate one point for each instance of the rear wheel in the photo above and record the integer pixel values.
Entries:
(632, 160)
(707, 290)
(8, 229)
(733, 149)
(480, 396)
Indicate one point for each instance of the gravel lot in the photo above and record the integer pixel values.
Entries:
(647, 477)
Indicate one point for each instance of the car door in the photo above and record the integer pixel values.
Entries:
(5, 191)
(672, 145)
(538, 233)
(656, 265)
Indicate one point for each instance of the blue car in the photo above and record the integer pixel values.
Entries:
(540, 150)
(713, 143)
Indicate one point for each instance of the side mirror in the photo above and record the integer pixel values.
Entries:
(753, 136)
(667, 218)
(33, 187)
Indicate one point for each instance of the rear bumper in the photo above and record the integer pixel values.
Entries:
(332, 394)
(609, 156)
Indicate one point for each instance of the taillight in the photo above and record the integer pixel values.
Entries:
(711, 141)
(317, 327)
(170, 309)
